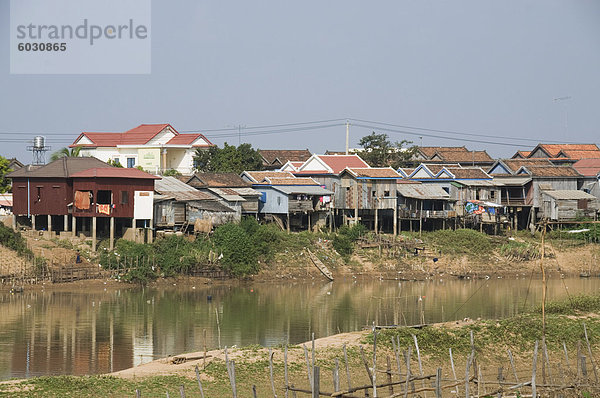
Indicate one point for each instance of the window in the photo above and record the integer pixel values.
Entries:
(492, 194)
(130, 162)
(278, 200)
(39, 194)
(447, 189)
(374, 193)
(104, 197)
(386, 194)
(124, 197)
(117, 161)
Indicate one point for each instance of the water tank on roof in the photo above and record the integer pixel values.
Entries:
(39, 142)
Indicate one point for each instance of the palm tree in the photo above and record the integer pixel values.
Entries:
(65, 152)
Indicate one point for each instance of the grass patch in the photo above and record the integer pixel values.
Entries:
(461, 241)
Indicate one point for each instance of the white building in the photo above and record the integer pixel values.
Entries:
(155, 147)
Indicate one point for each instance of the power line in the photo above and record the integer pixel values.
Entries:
(372, 127)
(460, 133)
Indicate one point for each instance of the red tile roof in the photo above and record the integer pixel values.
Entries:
(259, 176)
(464, 156)
(139, 135)
(572, 154)
(521, 154)
(468, 173)
(337, 163)
(113, 172)
(429, 151)
(374, 172)
(552, 171)
(554, 149)
(284, 155)
(187, 139)
(292, 181)
(588, 167)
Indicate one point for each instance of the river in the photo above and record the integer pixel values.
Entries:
(50, 332)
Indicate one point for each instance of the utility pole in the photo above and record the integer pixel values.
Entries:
(347, 135)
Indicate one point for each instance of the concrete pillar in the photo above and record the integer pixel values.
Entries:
(93, 233)
(308, 228)
(421, 220)
(288, 222)
(74, 226)
(150, 235)
(66, 223)
(49, 223)
(33, 222)
(112, 234)
(376, 221)
(396, 219)
(14, 222)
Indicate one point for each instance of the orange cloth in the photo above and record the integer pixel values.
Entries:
(104, 209)
(82, 200)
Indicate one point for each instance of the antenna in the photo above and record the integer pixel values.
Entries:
(39, 150)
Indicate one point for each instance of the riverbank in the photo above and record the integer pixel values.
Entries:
(492, 340)
(464, 254)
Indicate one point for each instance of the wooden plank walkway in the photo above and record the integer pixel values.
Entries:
(320, 266)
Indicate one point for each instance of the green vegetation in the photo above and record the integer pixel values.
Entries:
(379, 151)
(229, 159)
(13, 240)
(520, 331)
(171, 173)
(461, 241)
(520, 250)
(343, 241)
(4, 170)
(65, 152)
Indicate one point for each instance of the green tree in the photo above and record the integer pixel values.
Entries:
(4, 170)
(66, 152)
(229, 159)
(379, 151)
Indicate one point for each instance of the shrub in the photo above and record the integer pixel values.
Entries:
(240, 256)
(13, 240)
(461, 241)
(343, 242)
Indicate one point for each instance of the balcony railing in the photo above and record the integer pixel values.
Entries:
(426, 214)
(300, 205)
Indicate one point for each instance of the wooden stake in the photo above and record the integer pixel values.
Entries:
(533, 372)
(347, 368)
(316, 379)
(362, 354)
(512, 365)
(309, 373)
(593, 362)
(271, 372)
(389, 374)
(285, 358)
(407, 358)
(199, 382)
(438, 383)
(336, 376)
(453, 370)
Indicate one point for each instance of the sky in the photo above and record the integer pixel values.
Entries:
(493, 75)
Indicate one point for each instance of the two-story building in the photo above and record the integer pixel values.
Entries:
(155, 147)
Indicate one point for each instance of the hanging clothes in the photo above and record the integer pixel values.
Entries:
(104, 209)
(82, 200)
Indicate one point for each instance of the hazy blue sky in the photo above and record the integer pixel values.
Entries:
(478, 67)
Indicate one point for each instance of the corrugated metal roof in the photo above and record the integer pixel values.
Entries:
(228, 194)
(211, 205)
(172, 184)
(184, 196)
(478, 183)
(246, 191)
(503, 181)
(422, 191)
(303, 190)
(568, 194)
